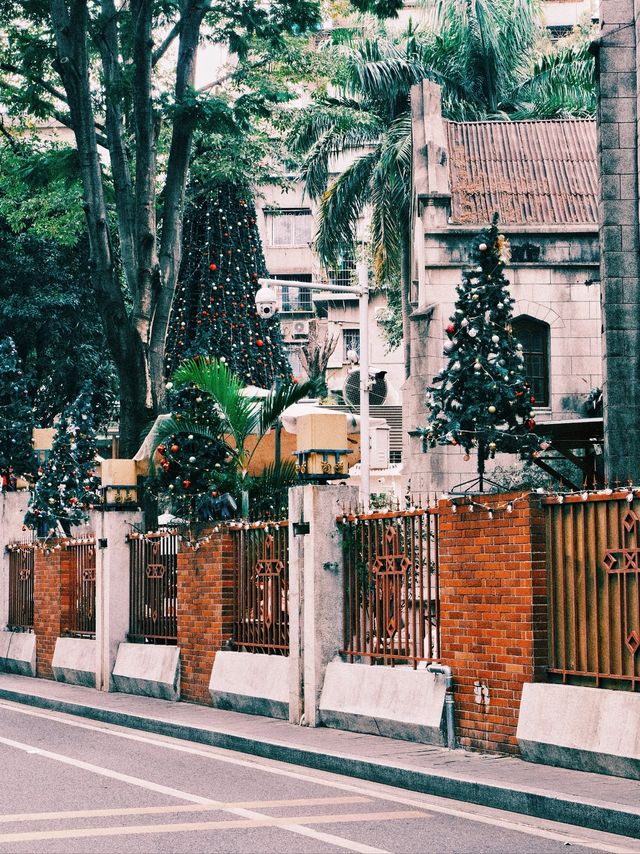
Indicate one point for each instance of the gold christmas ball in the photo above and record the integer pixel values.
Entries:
(492, 446)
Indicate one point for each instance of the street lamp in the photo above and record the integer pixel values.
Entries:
(266, 302)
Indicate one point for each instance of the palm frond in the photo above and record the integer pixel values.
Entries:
(173, 426)
(341, 207)
(280, 399)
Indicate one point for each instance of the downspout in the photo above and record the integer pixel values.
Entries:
(449, 716)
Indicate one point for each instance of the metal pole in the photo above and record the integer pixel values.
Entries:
(365, 424)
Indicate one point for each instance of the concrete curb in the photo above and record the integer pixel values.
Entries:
(570, 809)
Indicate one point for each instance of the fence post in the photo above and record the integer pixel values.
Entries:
(13, 506)
(316, 596)
(112, 586)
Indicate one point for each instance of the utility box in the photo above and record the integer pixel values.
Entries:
(321, 445)
(119, 481)
(380, 446)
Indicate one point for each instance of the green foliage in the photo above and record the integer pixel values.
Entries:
(48, 307)
(16, 417)
(389, 318)
(67, 486)
(481, 398)
(214, 311)
(230, 416)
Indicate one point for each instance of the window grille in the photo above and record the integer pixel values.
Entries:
(534, 337)
(289, 227)
(351, 341)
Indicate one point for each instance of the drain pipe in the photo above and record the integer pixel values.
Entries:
(445, 670)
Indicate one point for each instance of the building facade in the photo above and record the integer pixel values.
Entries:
(541, 178)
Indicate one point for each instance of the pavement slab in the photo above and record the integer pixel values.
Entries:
(575, 797)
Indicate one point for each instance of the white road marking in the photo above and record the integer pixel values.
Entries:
(544, 829)
(189, 827)
(188, 796)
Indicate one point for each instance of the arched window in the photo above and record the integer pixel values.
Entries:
(534, 337)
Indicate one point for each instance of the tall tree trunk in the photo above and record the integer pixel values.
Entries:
(405, 287)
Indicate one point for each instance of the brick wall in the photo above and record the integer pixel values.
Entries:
(493, 613)
(205, 611)
(51, 603)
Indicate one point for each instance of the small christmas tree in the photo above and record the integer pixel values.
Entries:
(17, 457)
(190, 466)
(481, 399)
(67, 486)
(214, 312)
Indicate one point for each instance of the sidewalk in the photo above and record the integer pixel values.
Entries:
(591, 800)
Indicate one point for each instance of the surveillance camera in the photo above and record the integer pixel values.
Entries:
(266, 302)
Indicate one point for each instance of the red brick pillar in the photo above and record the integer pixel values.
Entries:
(205, 611)
(50, 602)
(493, 612)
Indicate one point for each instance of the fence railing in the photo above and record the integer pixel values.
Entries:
(153, 565)
(391, 593)
(82, 588)
(593, 550)
(261, 612)
(21, 574)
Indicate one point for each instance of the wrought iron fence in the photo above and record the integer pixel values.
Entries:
(261, 612)
(593, 579)
(153, 566)
(21, 573)
(82, 588)
(392, 610)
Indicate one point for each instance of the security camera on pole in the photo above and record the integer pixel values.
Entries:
(266, 305)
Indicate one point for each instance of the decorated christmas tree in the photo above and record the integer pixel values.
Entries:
(189, 467)
(481, 400)
(214, 312)
(67, 486)
(16, 419)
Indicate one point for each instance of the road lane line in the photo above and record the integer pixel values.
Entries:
(229, 824)
(519, 824)
(67, 815)
(299, 829)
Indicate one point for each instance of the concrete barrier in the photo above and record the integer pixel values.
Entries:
(74, 661)
(589, 729)
(18, 653)
(153, 671)
(251, 682)
(398, 702)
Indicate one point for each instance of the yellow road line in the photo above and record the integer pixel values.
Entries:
(231, 824)
(65, 815)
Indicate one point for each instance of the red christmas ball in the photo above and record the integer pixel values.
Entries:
(175, 448)
(530, 424)
(451, 329)
(213, 267)
(295, 381)
(260, 342)
(532, 399)
(186, 484)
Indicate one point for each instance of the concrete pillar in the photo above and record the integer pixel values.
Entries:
(112, 586)
(619, 234)
(315, 592)
(13, 506)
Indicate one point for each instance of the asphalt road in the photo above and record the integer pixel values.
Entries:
(70, 785)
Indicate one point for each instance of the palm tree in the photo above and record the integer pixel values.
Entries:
(239, 416)
(487, 57)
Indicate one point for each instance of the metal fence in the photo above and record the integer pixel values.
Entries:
(261, 611)
(153, 566)
(392, 610)
(21, 572)
(593, 550)
(82, 588)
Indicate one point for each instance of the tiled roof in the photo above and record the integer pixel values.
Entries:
(530, 172)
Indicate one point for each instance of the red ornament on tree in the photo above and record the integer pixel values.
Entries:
(260, 342)
(213, 267)
(451, 329)
(530, 424)
(186, 484)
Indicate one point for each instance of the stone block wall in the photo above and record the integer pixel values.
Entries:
(52, 568)
(493, 612)
(205, 610)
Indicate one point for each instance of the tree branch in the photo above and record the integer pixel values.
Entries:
(259, 63)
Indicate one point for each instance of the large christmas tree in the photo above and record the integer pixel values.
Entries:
(67, 486)
(214, 312)
(16, 419)
(481, 400)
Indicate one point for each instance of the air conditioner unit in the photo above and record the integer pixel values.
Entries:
(299, 328)
(378, 388)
